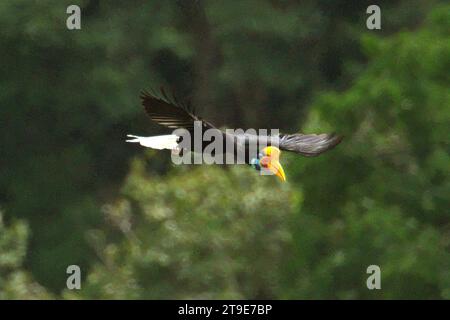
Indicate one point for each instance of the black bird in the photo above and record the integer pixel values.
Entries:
(261, 151)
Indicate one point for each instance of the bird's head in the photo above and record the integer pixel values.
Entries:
(268, 159)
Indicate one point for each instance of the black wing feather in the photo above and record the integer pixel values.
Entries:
(309, 145)
(169, 112)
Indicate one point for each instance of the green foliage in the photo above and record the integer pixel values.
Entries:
(382, 196)
(15, 282)
(69, 97)
(194, 241)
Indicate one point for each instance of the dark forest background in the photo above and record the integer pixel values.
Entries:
(73, 192)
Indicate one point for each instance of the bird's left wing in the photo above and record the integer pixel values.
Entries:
(170, 112)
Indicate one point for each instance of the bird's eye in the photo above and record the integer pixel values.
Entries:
(264, 162)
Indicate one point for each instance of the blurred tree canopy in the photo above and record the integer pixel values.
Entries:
(196, 241)
(72, 192)
(15, 282)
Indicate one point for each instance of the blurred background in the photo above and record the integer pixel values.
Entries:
(73, 192)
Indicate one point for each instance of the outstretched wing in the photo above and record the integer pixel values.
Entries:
(169, 112)
(309, 145)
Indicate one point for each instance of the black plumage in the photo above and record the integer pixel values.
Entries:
(171, 113)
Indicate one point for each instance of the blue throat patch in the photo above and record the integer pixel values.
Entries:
(255, 164)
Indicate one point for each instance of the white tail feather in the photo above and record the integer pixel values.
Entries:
(156, 142)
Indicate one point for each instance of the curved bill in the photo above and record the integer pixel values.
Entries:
(277, 169)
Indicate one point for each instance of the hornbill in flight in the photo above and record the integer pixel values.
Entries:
(265, 156)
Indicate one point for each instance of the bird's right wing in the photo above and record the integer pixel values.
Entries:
(169, 112)
(309, 145)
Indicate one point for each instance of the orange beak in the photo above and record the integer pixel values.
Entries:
(275, 167)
